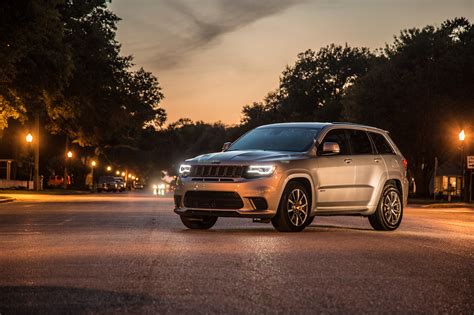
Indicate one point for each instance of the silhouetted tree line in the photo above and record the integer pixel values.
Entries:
(420, 88)
(60, 58)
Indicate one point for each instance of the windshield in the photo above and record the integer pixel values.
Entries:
(277, 139)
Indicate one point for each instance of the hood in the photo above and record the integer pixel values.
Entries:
(246, 156)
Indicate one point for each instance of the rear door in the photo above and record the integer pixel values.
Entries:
(370, 166)
(335, 173)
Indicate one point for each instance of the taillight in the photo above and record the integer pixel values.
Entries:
(405, 164)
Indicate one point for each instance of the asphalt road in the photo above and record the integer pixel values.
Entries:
(130, 253)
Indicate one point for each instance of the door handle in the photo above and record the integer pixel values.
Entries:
(347, 161)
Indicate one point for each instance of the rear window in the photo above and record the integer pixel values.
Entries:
(360, 142)
(381, 143)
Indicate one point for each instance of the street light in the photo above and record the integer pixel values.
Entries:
(117, 173)
(109, 168)
(462, 137)
(129, 175)
(66, 174)
(29, 139)
(123, 174)
(93, 164)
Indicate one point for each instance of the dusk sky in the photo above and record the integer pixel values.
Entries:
(212, 57)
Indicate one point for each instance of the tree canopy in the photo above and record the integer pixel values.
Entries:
(312, 89)
(62, 58)
(420, 92)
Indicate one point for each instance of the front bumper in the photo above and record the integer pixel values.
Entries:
(267, 188)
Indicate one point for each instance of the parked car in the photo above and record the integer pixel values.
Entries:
(107, 183)
(138, 185)
(288, 173)
(55, 181)
(121, 185)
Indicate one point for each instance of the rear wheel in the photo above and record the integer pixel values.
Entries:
(199, 223)
(294, 208)
(389, 213)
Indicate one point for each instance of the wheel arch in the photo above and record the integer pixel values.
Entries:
(304, 179)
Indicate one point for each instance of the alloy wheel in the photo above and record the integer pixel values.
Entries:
(392, 208)
(297, 207)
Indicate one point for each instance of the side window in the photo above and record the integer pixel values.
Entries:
(340, 137)
(381, 143)
(360, 142)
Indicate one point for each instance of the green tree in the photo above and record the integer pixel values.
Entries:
(105, 104)
(312, 89)
(420, 92)
(34, 59)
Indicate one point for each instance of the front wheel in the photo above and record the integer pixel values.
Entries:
(198, 223)
(294, 208)
(389, 212)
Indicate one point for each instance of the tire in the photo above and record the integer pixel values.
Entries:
(198, 223)
(310, 220)
(293, 210)
(389, 212)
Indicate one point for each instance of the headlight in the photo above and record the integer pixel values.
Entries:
(184, 169)
(260, 170)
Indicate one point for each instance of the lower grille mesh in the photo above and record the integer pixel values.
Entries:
(213, 200)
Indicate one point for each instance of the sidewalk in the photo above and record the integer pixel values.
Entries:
(430, 203)
(44, 192)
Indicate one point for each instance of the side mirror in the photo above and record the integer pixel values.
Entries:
(225, 146)
(331, 148)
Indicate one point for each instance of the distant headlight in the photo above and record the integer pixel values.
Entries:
(184, 169)
(260, 170)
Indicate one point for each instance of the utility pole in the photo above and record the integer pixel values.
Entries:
(36, 183)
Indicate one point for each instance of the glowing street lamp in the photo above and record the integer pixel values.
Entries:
(117, 173)
(69, 154)
(462, 137)
(93, 163)
(129, 175)
(123, 174)
(29, 139)
(109, 168)
(133, 177)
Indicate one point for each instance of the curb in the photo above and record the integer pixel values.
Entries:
(5, 200)
(447, 206)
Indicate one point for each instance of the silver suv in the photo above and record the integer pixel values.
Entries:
(288, 173)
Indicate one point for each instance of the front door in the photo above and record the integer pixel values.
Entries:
(335, 174)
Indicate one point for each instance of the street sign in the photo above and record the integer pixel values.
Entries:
(470, 162)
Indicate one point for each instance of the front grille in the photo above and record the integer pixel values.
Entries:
(232, 171)
(213, 200)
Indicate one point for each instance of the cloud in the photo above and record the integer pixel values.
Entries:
(183, 27)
